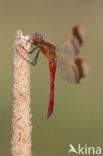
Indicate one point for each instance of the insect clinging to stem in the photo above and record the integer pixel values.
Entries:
(61, 56)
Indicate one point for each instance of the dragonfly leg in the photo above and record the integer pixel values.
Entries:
(23, 56)
(29, 52)
(28, 41)
(31, 62)
(35, 59)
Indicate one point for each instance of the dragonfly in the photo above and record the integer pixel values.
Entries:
(63, 56)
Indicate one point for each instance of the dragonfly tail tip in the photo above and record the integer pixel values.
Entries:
(49, 114)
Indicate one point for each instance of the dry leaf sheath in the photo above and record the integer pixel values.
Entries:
(21, 122)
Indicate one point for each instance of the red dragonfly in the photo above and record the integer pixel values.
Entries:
(63, 56)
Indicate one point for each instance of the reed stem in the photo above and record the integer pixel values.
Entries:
(21, 122)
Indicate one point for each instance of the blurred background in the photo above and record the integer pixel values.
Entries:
(78, 111)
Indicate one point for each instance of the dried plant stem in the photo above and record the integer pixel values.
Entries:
(21, 122)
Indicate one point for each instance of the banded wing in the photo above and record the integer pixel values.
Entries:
(69, 67)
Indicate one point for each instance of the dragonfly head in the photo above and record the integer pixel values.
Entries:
(37, 38)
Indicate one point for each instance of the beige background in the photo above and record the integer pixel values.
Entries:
(78, 111)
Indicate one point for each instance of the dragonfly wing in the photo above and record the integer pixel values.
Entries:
(71, 47)
(70, 67)
(73, 71)
(65, 50)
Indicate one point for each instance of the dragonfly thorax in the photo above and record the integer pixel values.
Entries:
(48, 50)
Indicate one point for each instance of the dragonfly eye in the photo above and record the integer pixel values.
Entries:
(37, 37)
